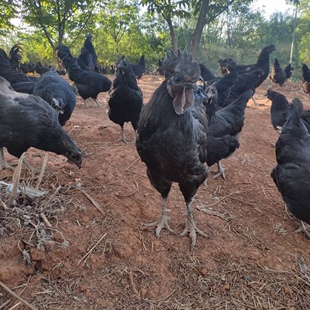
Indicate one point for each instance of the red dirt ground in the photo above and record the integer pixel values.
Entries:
(98, 255)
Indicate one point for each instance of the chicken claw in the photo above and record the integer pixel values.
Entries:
(221, 172)
(162, 222)
(192, 228)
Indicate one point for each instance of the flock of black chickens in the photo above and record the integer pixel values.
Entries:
(192, 121)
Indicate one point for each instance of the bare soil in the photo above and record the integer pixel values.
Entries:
(82, 245)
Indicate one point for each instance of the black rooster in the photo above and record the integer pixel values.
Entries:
(88, 83)
(125, 97)
(292, 172)
(139, 68)
(58, 93)
(29, 121)
(87, 59)
(306, 79)
(15, 55)
(19, 81)
(225, 126)
(172, 139)
(261, 64)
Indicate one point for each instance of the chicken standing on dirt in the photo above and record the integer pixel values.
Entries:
(87, 59)
(279, 108)
(19, 81)
(306, 79)
(225, 126)
(88, 83)
(292, 173)
(139, 68)
(29, 121)
(277, 75)
(262, 64)
(58, 93)
(125, 98)
(172, 139)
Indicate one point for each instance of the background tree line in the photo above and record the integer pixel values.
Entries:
(209, 29)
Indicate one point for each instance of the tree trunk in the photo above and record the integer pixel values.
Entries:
(174, 40)
(195, 39)
(293, 37)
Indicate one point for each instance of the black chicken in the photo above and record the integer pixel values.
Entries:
(58, 93)
(277, 74)
(15, 55)
(292, 172)
(279, 108)
(225, 126)
(125, 97)
(206, 74)
(40, 69)
(261, 64)
(87, 59)
(29, 121)
(288, 71)
(306, 79)
(139, 68)
(172, 139)
(245, 81)
(88, 83)
(19, 81)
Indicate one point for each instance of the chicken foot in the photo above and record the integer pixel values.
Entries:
(97, 102)
(191, 227)
(163, 220)
(221, 172)
(303, 229)
(3, 163)
(124, 138)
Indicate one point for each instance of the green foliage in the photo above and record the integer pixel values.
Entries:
(303, 31)
(120, 28)
(57, 18)
(8, 11)
(177, 8)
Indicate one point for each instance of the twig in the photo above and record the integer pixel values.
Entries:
(90, 251)
(51, 198)
(45, 220)
(225, 216)
(15, 181)
(132, 284)
(16, 296)
(15, 306)
(5, 208)
(132, 164)
(92, 200)
(42, 171)
(5, 304)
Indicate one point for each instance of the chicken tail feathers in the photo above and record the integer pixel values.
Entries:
(293, 124)
(63, 53)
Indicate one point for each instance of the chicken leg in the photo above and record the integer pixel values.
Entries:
(3, 162)
(191, 227)
(123, 137)
(163, 220)
(97, 102)
(220, 172)
(303, 229)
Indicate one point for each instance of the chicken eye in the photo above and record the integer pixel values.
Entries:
(177, 79)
